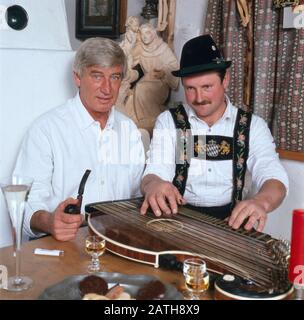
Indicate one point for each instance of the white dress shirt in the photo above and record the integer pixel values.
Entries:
(66, 141)
(210, 183)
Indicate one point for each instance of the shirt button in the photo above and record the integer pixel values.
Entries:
(209, 170)
(102, 182)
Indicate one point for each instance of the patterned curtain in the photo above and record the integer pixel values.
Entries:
(222, 22)
(289, 95)
(272, 83)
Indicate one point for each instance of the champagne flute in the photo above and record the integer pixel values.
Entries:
(95, 246)
(15, 190)
(196, 278)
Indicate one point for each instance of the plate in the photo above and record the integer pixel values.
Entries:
(68, 289)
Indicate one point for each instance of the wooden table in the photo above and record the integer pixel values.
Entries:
(46, 271)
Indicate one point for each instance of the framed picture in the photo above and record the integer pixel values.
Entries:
(100, 18)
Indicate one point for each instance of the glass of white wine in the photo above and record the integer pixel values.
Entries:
(196, 278)
(15, 190)
(95, 247)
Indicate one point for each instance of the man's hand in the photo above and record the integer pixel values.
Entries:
(162, 196)
(64, 226)
(269, 197)
(253, 210)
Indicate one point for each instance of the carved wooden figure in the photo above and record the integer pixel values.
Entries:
(154, 61)
(127, 44)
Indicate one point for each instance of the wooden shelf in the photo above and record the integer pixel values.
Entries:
(291, 155)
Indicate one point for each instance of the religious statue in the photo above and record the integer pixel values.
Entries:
(132, 26)
(152, 61)
(127, 44)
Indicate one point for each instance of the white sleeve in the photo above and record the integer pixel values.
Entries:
(35, 160)
(161, 154)
(137, 164)
(263, 160)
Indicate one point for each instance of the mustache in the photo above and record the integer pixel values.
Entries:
(200, 103)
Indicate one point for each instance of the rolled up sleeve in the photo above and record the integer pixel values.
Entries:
(35, 160)
(263, 161)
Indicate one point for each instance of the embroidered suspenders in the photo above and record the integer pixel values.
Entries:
(240, 153)
(183, 131)
(211, 148)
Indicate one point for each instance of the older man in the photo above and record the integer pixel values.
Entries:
(84, 133)
(217, 143)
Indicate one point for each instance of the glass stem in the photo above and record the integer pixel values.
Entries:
(17, 247)
(18, 267)
(95, 261)
(195, 296)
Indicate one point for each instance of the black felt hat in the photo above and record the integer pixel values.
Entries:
(200, 54)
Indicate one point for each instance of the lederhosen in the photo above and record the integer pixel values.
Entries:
(212, 148)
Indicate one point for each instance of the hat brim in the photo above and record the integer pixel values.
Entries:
(201, 68)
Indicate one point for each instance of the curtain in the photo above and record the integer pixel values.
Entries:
(289, 101)
(223, 24)
(271, 83)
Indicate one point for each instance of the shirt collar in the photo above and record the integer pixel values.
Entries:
(85, 120)
(227, 114)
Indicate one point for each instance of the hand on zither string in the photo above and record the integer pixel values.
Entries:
(161, 196)
(250, 212)
(255, 210)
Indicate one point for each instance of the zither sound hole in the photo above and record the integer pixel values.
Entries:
(164, 225)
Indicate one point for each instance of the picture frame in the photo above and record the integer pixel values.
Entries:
(100, 18)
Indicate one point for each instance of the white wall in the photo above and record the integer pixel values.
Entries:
(71, 16)
(45, 19)
(280, 221)
(35, 75)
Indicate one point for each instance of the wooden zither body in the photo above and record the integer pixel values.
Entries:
(260, 261)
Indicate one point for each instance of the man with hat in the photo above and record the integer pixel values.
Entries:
(200, 150)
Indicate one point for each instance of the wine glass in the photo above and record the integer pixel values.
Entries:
(196, 278)
(15, 190)
(95, 246)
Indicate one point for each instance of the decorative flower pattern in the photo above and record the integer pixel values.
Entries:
(240, 162)
(240, 150)
(182, 123)
(239, 184)
(241, 153)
